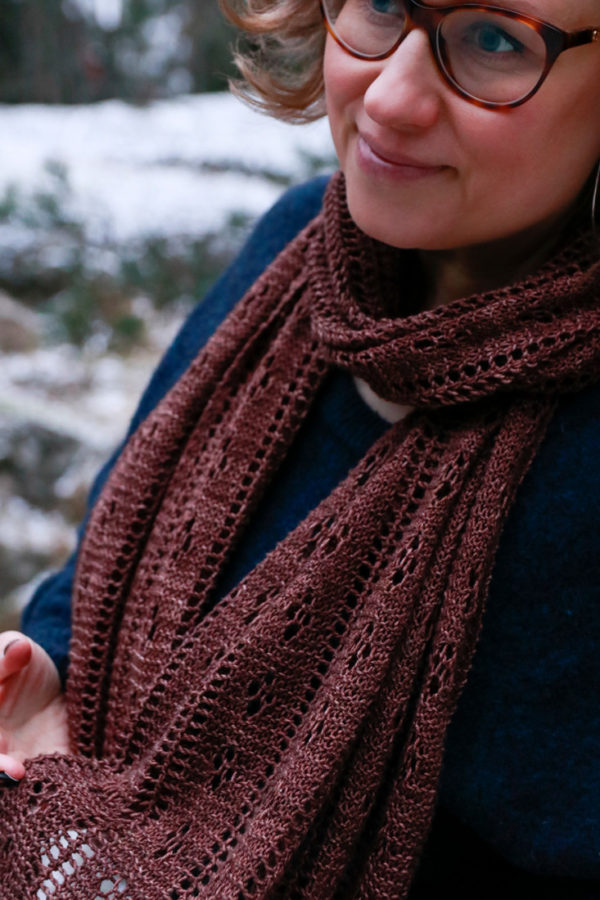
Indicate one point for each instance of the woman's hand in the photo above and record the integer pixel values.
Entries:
(32, 705)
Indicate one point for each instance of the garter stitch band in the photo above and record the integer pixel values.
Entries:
(286, 741)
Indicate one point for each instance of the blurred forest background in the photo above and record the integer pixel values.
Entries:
(128, 180)
(82, 51)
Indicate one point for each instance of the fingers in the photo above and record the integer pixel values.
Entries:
(10, 640)
(11, 763)
(30, 694)
(15, 653)
(8, 637)
(12, 766)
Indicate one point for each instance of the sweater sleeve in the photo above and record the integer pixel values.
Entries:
(47, 617)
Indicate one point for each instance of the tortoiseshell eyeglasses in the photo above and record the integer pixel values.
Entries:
(491, 56)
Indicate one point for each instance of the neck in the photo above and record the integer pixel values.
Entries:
(452, 274)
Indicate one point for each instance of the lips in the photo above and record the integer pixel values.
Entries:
(370, 146)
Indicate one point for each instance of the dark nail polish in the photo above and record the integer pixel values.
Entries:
(10, 643)
(7, 779)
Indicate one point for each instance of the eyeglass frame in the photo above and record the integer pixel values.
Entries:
(555, 39)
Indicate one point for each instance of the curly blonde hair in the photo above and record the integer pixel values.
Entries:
(281, 61)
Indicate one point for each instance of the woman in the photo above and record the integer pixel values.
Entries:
(403, 410)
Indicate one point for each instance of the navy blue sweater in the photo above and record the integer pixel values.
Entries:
(520, 792)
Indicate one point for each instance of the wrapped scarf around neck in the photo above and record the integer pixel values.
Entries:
(286, 741)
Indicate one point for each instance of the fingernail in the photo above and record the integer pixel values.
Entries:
(8, 779)
(10, 644)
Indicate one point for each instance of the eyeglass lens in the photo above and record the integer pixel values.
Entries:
(491, 56)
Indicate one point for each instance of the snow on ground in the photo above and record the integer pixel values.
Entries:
(76, 394)
(176, 168)
(179, 166)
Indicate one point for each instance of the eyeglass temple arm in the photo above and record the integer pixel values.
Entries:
(578, 38)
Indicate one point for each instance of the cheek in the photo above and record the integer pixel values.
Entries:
(336, 86)
(345, 85)
(538, 156)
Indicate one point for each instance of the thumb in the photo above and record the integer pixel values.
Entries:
(15, 652)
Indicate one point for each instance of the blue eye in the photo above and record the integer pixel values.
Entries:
(387, 7)
(491, 39)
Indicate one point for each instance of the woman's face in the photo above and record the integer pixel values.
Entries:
(427, 169)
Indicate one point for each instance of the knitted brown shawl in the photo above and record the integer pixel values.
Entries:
(286, 741)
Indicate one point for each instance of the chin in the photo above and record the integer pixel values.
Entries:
(398, 228)
(404, 225)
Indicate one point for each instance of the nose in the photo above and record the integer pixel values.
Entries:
(406, 93)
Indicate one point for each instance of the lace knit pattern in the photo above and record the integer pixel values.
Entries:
(286, 741)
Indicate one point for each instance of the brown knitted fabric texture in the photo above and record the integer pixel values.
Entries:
(286, 741)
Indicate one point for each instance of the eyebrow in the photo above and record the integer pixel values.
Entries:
(523, 6)
(526, 7)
